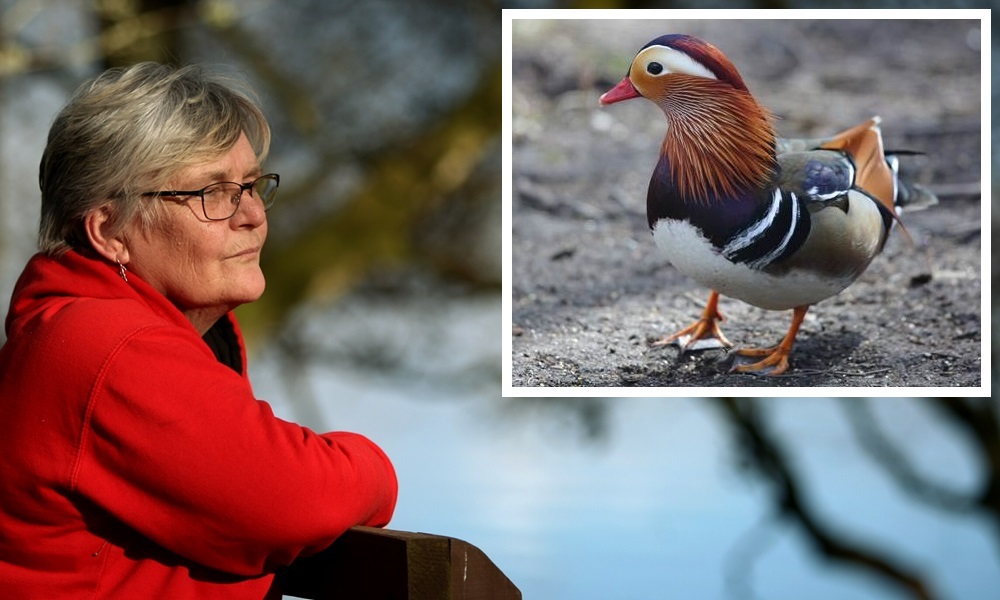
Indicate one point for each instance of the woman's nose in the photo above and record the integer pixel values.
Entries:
(250, 211)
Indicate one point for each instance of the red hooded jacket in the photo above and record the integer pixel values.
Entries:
(135, 461)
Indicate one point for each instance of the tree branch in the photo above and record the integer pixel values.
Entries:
(980, 418)
(766, 456)
(896, 464)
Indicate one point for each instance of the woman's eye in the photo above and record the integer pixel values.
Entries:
(218, 194)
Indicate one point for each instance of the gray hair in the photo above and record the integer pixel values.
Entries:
(129, 131)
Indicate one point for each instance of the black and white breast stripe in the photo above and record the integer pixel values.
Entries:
(776, 234)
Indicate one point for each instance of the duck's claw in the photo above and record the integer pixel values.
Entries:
(775, 360)
(703, 334)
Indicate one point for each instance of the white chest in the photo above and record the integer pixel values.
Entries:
(693, 255)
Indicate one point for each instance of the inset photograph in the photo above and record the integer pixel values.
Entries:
(745, 204)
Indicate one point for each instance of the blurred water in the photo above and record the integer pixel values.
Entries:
(641, 498)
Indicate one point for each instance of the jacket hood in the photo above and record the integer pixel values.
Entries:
(49, 283)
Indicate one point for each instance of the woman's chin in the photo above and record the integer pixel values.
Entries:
(254, 288)
(248, 288)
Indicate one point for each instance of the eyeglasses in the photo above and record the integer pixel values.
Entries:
(220, 201)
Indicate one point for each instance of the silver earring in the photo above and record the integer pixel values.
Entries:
(122, 270)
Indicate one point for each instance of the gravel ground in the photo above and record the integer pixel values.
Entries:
(590, 292)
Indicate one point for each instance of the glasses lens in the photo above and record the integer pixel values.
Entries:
(266, 188)
(221, 200)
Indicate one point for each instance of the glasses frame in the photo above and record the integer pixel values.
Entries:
(237, 198)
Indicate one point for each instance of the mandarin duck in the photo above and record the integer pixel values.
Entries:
(779, 224)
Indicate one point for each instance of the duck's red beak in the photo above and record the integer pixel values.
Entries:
(623, 91)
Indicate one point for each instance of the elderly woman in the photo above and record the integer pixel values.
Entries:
(136, 462)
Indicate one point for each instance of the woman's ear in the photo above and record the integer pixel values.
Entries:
(97, 223)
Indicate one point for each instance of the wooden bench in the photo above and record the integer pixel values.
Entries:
(380, 564)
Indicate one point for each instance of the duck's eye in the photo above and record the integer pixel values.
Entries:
(654, 68)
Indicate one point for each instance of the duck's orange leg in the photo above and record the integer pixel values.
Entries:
(704, 330)
(776, 357)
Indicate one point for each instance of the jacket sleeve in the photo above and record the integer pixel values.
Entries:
(175, 446)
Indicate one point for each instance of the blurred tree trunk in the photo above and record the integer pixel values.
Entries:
(132, 31)
(381, 225)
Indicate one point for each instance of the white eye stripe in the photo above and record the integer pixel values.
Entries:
(673, 61)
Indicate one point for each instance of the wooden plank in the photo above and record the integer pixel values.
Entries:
(475, 577)
(382, 564)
